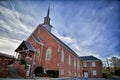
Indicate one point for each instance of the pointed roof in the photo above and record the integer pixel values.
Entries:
(88, 58)
(46, 23)
(47, 18)
(48, 11)
(26, 45)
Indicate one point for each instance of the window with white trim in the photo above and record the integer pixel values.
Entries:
(84, 64)
(78, 74)
(69, 73)
(75, 74)
(62, 72)
(93, 64)
(38, 31)
(78, 63)
(48, 54)
(94, 72)
(69, 60)
(74, 62)
(38, 52)
(62, 56)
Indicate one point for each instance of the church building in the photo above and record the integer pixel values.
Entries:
(42, 48)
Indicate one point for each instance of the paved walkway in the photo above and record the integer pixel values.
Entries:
(14, 75)
(61, 79)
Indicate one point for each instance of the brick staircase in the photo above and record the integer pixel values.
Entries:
(13, 73)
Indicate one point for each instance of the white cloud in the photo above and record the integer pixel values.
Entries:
(86, 25)
(8, 45)
(6, 26)
(15, 27)
(12, 21)
(71, 42)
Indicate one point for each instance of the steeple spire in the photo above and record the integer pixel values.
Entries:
(48, 11)
(47, 18)
(46, 23)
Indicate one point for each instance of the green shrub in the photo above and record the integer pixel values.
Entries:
(37, 74)
(22, 61)
(53, 73)
(104, 75)
(38, 70)
(117, 71)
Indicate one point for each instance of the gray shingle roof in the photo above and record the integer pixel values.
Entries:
(27, 46)
(85, 58)
(37, 39)
(47, 26)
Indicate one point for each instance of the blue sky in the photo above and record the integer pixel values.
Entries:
(89, 27)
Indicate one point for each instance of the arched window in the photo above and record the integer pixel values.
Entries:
(69, 60)
(78, 63)
(62, 56)
(69, 73)
(74, 62)
(38, 52)
(48, 54)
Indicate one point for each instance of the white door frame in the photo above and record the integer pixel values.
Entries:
(28, 69)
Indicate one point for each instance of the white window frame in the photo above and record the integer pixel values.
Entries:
(61, 72)
(93, 64)
(48, 53)
(85, 74)
(69, 59)
(38, 52)
(69, 73)
(84, 64)
(38, 31)
(78, 63)
(94, 72)
(75, 74)
(74, 62)
(62, 56)
(78, 74)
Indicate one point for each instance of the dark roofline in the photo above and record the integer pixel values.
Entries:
(37, 40)
(6, 55)
(27, 45)
(88, 58)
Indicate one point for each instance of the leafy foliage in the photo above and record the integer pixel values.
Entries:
(53, 73)
(104, 75)
(22, 61)
(39, 70)
(117, 71)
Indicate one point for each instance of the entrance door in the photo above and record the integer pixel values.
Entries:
(28, 70)
(86, 74)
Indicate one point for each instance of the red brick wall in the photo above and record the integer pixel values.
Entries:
(20, 68)
(98, 69)
(4, 69)
(48, 41)
(52, 64)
